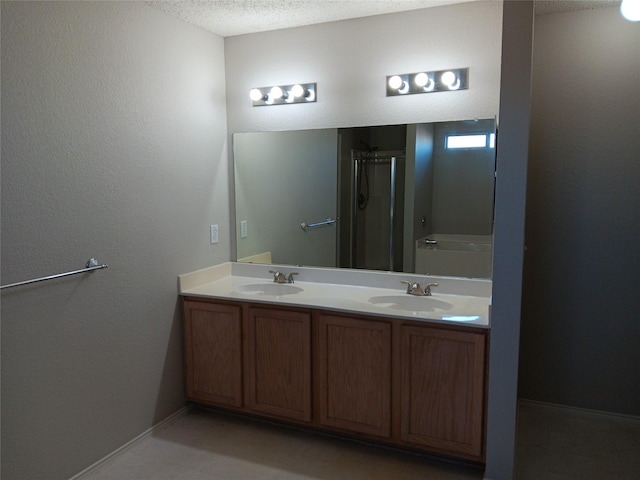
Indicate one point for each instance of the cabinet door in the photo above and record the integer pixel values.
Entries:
(354, 374)
(213, 353)
(278, 371)
(442, 390)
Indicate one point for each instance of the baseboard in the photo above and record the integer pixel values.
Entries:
(93, 468)
(634, 419)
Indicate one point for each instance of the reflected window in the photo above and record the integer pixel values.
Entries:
(482, 140)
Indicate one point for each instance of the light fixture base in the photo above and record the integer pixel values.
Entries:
(427, 82)
(291, 94)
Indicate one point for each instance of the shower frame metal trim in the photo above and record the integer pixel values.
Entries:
(380, 157)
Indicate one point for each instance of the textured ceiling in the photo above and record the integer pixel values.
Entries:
(556, 6)
(237, 17)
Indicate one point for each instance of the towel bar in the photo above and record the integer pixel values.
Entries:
(328, 221)
(92, 265)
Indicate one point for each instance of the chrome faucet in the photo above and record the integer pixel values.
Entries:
(280, 277)
(414, 288)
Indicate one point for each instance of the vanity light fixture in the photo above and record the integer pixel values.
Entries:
(284, 94)
(426, 82)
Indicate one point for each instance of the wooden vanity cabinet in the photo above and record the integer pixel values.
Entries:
(405, 383)
(278, 363)
(442, 390)
(213, 353)
(353, 362)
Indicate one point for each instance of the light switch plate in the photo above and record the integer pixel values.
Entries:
(243, 229)
(214, 234)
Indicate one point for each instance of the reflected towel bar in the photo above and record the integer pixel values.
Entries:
(328, 221)
(92, 265)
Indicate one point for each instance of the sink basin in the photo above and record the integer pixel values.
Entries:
(410, 303)
(268, 289)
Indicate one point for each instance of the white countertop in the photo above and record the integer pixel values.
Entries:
(458, 301)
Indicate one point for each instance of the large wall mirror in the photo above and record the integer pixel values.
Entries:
(415, 198)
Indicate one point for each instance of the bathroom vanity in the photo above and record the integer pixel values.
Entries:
(345, 352)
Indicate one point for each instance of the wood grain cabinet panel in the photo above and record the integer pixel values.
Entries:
(278, 370)
(213, 353)
(442, 390)
(259, 359)
(354, 374)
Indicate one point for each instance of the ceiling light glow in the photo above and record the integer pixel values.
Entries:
(630, 9)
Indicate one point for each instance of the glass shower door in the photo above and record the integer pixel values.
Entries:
(377, 206)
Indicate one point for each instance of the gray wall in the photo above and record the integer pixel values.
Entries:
(508, 240)
(580, 330)
(113, 146)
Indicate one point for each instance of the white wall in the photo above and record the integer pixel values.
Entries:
(581, 303)
(113, 146)
(351, 59)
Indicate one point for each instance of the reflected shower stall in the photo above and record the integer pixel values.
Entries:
(377, 209)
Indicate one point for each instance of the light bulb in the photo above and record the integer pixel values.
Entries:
(421, 79)
(630, 9)
(276, 93)
(451, 80)
(297, 91)
(256, 95)
(395, 82)
(448, 78)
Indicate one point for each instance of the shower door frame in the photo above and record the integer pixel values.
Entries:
(378, 157)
